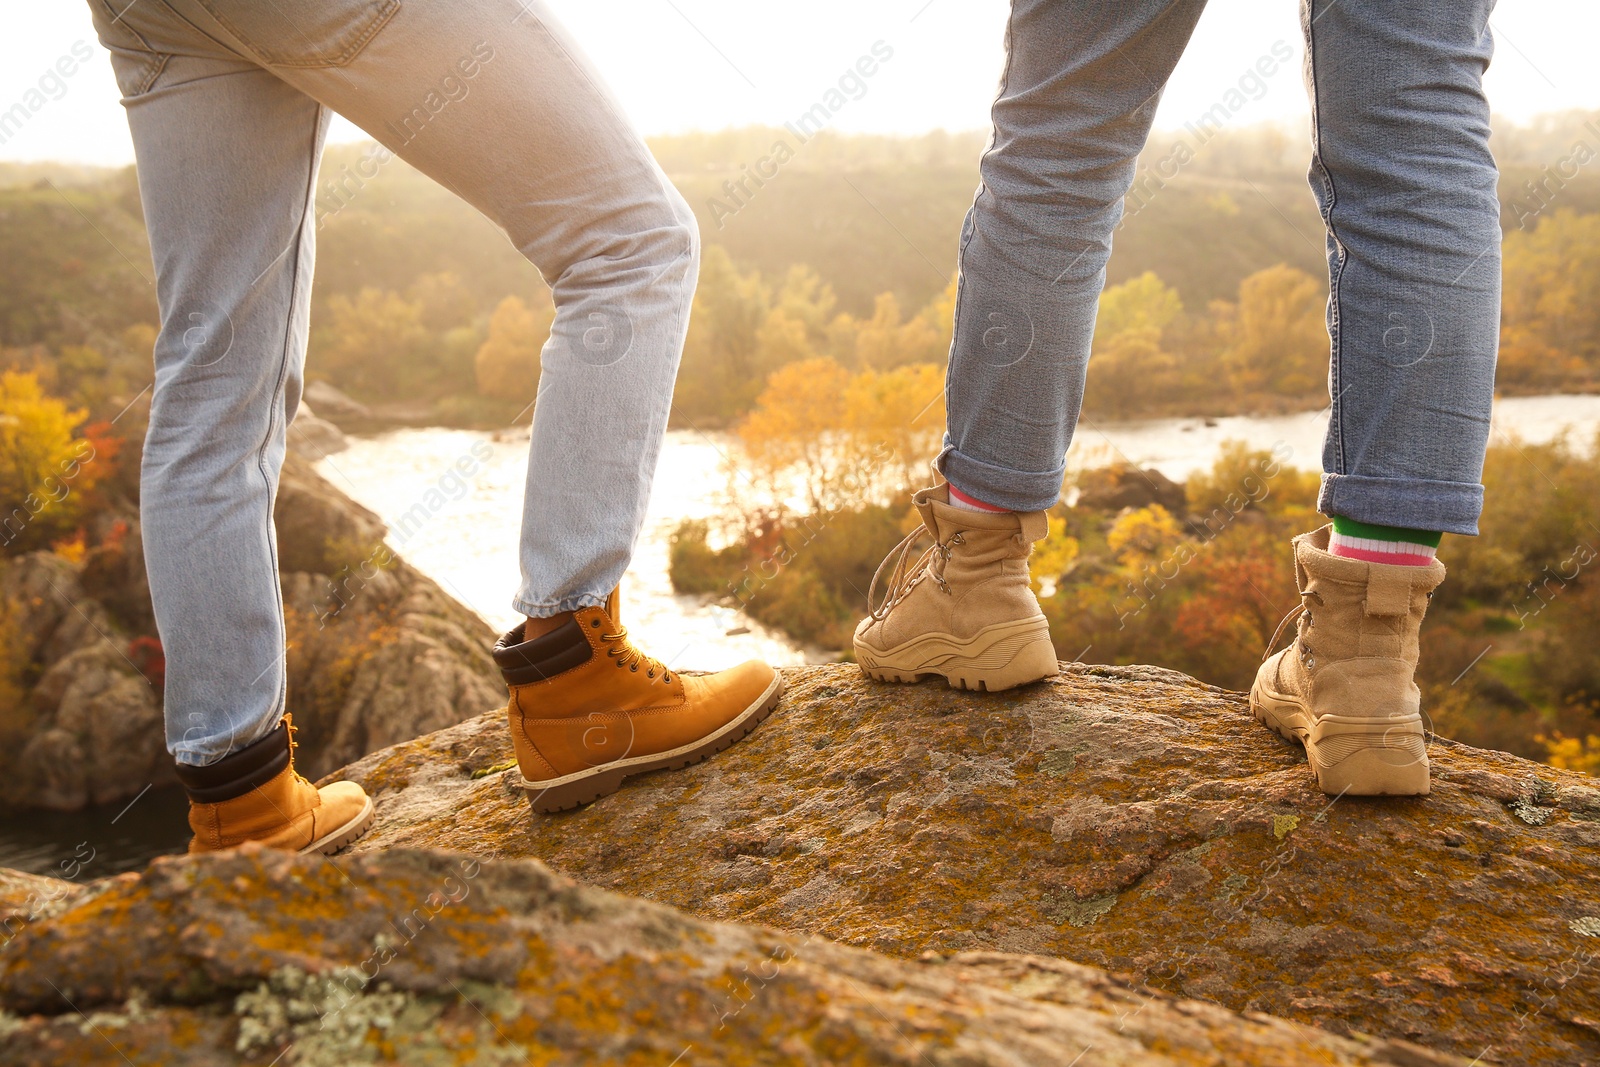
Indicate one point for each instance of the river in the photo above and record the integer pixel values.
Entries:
(469, 547)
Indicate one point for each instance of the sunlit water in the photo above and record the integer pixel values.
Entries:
(469, 544)
(1179, 447)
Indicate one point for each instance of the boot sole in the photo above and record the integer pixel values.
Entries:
(585, 787)
(328, 844)
(1368, 769)
(998, 657)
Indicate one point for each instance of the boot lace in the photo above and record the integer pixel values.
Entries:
(1300, 613)
(288, 720)
(903, 578)
(630, 657)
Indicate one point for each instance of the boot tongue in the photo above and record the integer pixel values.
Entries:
(614, 605)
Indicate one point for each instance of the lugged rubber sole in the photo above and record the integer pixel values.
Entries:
(587, 786)
(330, 843)
(1002, 656)
(1353, 762)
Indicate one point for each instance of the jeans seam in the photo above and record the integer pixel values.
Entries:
(283, 372)
(1336, 271)
(338, 59)
(966, 241)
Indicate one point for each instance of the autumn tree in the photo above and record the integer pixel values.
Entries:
(888, 339)
(896, 424)
(795, 431)
(1275, 339)
(507, 364)
(374, 345)
(42, 465)
(1550, 332)
(720, 376)
(1131, 369)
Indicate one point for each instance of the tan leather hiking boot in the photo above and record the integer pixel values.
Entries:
(588, 709)
(963, 609)
(1346, 687)
(256, 795)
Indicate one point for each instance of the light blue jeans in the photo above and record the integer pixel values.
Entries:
(229, 102)
(1402, 172)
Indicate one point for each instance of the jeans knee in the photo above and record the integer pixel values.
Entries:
(684, 240)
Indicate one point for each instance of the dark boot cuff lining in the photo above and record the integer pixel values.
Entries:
(526, 662)
(239, 772)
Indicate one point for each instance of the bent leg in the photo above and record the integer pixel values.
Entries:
(495, 101)
(1080, 89)
(1406, 183)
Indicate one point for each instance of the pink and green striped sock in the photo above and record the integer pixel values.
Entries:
(1382, 544)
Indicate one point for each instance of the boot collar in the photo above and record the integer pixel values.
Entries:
(949, 526)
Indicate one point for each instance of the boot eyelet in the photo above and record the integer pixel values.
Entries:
(620, 664)
(594, 622)
(649, 674)
(634, 668)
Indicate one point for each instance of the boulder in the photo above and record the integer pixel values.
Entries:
(379, 654)
(1123, 485)
(333, 403)
(1127, 818)
(314, 437)
(319, 528)
(427, 957)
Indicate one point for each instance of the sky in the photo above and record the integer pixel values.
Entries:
(681, 65)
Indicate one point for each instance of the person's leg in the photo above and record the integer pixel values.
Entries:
(495, 101)
(227, 158)
(1079, 92)
(1403, 174)
(1406, 183)
(1080, 89)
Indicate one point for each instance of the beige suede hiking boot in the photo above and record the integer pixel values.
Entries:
(255, 794)
(587, 709)
(1346, 687)
(963, 609)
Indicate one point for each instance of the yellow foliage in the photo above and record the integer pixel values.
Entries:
(507, 364)
(885, 341)
(1052, 556)
(1276, 337)
(896, 421)
(1573, 754)
(1142, 303)
(1550, 320)
(1143, 535)
(795, 427)
(783, 338)
(371, 336)
(38, 460)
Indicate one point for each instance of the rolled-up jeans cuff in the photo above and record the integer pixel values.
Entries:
(1409, 503)
(546, 609)
(1001, 487)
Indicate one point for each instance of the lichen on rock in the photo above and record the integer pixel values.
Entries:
(1128, 818)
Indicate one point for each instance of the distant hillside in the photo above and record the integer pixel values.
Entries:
(868, 214)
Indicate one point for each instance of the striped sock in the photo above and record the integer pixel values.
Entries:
(969, 503)
(1382, 544)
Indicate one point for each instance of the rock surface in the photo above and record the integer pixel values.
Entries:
(315, 437)
(1127, 818)
(418, 957)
